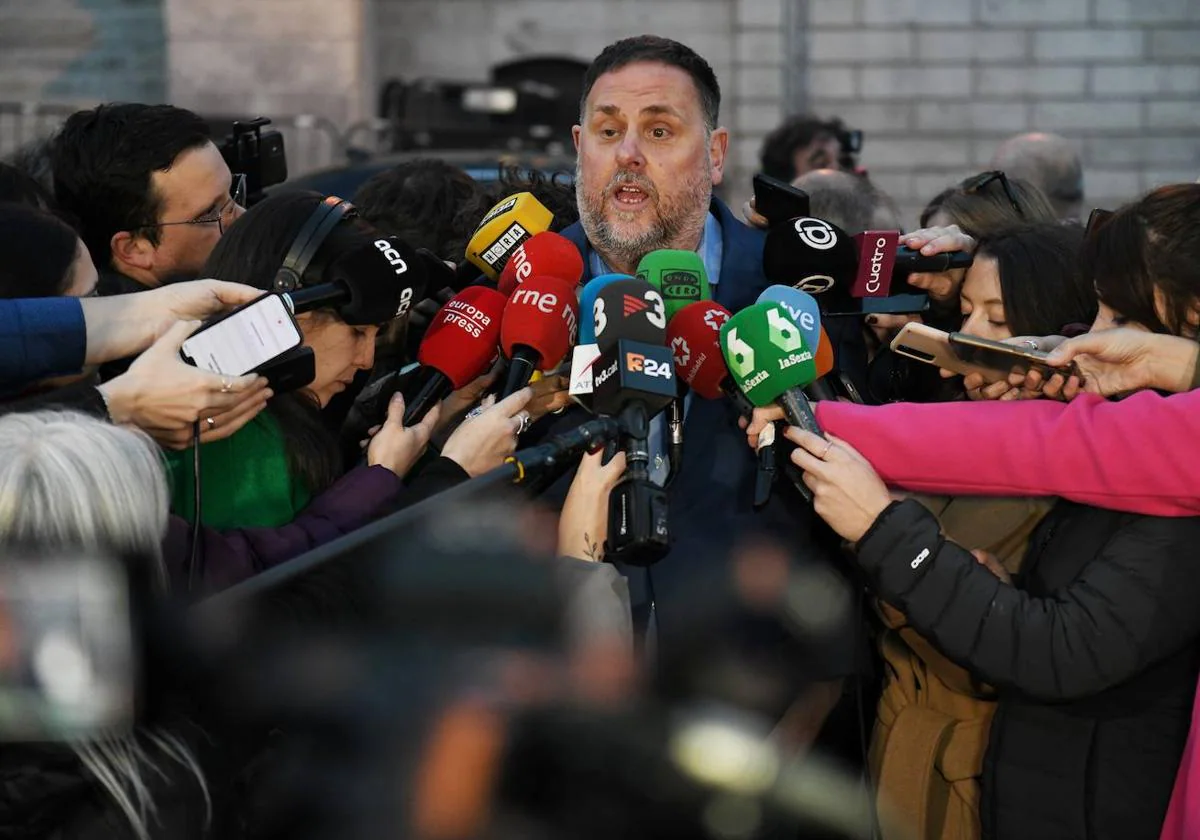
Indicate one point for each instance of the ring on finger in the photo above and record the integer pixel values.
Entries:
(523, 419)
(226, 385)
(212, 424)
(828, 446)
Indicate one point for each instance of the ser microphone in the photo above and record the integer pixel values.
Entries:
(545, 254)
(538, 328)
(458, 347)
(679, 276)
(503, 229)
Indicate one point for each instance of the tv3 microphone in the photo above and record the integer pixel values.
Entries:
(458, 347)
(503, 229)
(538, 328)
(546, 254)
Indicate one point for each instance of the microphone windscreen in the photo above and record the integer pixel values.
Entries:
(546, 254)
(587, 302)
(801, 306)
(629, 309)
(811, 255)
(679, 276)
(503, 228)
(542, 314)
(462, 338)
(824, 357)
(766, 353)
(384, 277)
(694, 336)
(876, 260)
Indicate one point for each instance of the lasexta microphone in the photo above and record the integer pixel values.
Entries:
(587, 301)
(770, 361)
(806, 314)
(503, 229)
(458, 347)
(679, 276)
(371, 284)
(546, 254)
(538, 328)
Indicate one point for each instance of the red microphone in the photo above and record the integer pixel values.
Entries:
(459, 346)
(545, 254)
(694, 338)
(538, 328)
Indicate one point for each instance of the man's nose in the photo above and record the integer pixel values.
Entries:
(629, 152)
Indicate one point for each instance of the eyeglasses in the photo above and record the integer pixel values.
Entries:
(974, 185)
(223, 216)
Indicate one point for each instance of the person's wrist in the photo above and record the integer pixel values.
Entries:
(1188, 368)
(120, 397)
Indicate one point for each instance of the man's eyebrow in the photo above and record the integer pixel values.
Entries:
(662, 109)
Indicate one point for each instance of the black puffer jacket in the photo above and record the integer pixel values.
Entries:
(1094, 652)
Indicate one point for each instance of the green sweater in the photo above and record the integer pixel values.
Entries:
(244, 478)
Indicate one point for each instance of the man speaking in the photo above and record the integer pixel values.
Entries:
(650, 152)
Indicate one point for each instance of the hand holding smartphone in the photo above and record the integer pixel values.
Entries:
(245, 339)
(966, 354)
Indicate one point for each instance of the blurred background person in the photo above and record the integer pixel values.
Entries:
(800, 145)
(1051, 163)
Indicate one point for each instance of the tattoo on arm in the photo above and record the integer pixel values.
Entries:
(592, 550)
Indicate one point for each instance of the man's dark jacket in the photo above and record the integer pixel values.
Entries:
(711, 499)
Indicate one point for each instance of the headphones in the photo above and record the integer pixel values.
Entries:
(328, 214)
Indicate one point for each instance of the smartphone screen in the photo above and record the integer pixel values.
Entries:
(245, 339)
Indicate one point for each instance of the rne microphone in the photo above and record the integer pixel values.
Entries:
(546, 254)
(679, 276)
(538, 328)
(503, 229)
(458, 347)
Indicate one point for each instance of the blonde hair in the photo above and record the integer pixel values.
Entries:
(69, 480)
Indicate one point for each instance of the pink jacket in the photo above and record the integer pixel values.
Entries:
(1137, 455)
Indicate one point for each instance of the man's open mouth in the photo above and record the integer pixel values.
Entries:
(630, 195)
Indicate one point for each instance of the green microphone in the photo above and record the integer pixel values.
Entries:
(770, 361)
(679, 277)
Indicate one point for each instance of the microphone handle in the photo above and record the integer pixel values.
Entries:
(744, 407)
(436, 388)
(764, 475)
(675, 438)
(798, 410)
(520, 370)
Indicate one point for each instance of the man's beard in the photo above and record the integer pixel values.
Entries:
(674, 223)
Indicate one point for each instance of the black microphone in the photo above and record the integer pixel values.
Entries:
(371, 284)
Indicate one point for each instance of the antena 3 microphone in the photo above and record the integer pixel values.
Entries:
(503, 229)
(545, 254)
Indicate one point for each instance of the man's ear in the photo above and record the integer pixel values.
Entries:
(576, 130)
(718, 147)
(131, 250)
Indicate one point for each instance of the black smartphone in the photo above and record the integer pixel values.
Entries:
(245, 339)
(777, 200)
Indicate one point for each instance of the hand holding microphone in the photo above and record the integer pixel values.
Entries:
(847, 492)
(485, 439)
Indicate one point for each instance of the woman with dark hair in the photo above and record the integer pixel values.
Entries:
(987, 202)
(267, 472)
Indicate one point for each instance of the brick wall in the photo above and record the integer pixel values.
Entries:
(82, 50)
(936, 84)
(461, 39)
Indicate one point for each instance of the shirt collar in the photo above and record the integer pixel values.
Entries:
(710, 250)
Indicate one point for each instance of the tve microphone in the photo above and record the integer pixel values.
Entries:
(587, 304)
(806, 314)
(770, 361)
(370, 284)
(538, 328)
(503, 229)
(679, 276)
(545, 254)
(459, 346)
(694, 336)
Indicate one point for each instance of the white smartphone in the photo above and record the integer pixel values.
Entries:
(245, 339)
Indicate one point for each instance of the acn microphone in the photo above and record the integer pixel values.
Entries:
(459, 346)
(538, 328)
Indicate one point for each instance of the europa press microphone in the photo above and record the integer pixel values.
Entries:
(503, 229)
(538, 328)
(459, 346)
(820, 258)
(681, 279)
(634, 379)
